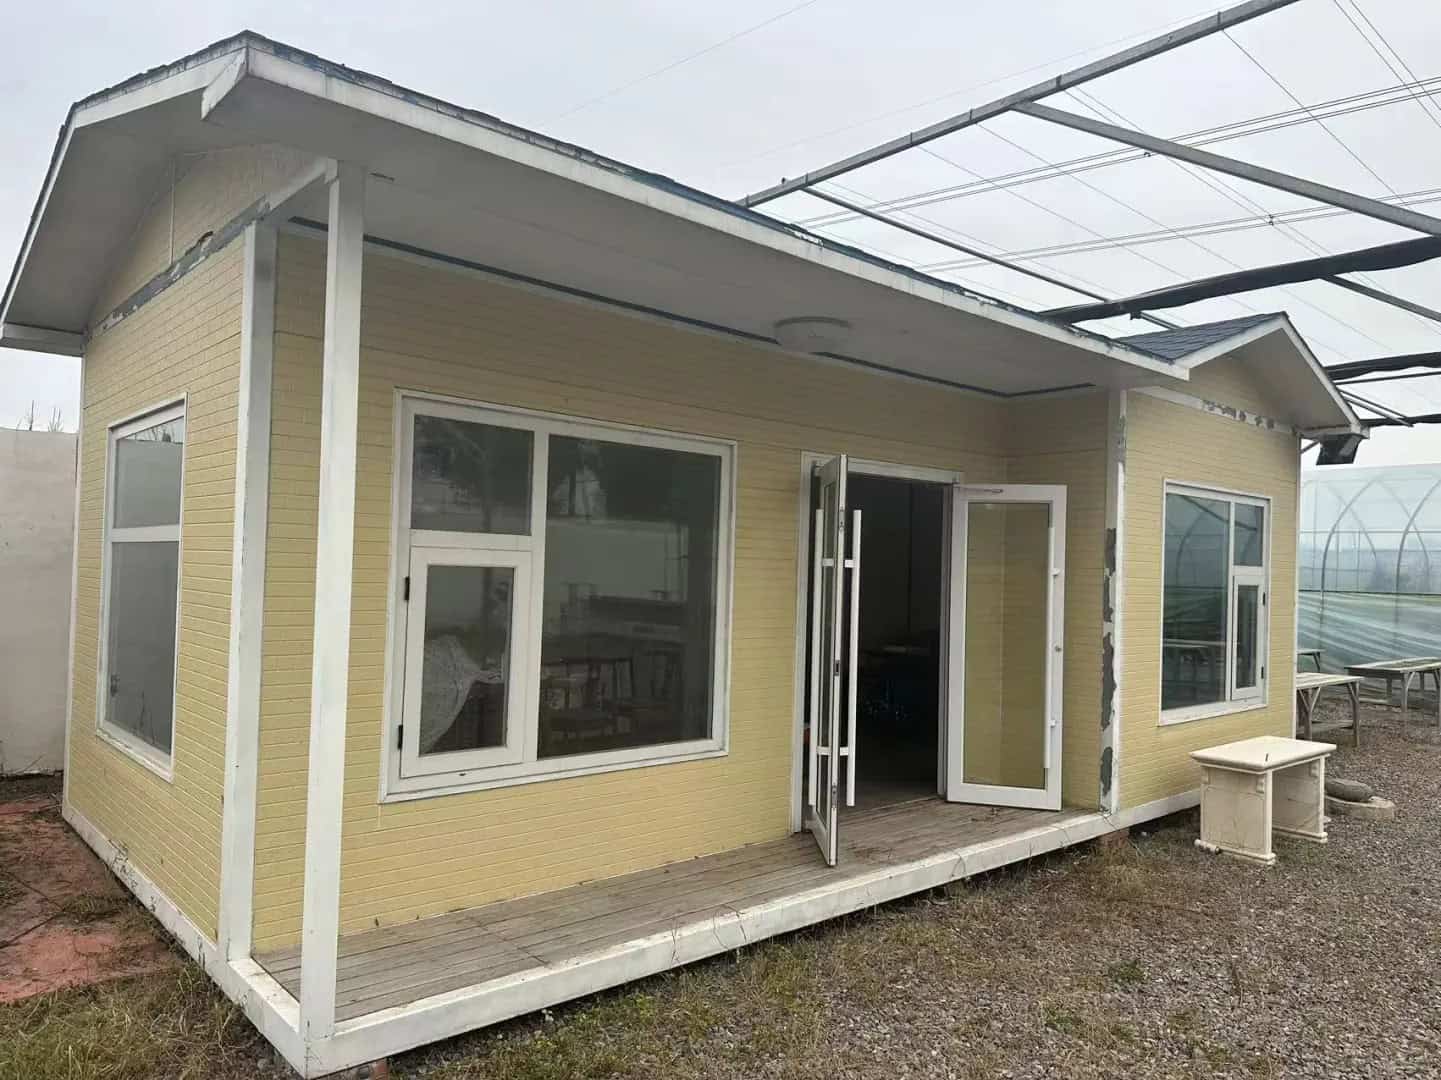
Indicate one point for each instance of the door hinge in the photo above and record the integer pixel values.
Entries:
(399, 736)
(405, 589)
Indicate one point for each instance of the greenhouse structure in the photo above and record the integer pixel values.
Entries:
(1370, 563)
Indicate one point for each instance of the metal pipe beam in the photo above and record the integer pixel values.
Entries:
(965, 249)
(1381, 257)
(1354, 369)
(1244, 170)
(1211, 24)
(1376, 406)
(1386, 298)
(1411, 421)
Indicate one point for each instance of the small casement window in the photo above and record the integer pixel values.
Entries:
(141, 572)
(563, 597)
(1214, 603)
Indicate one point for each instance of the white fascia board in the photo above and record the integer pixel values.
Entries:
(374, 101)
(1218, 349)
(184, 78)
(40, 339)
(1352, 421)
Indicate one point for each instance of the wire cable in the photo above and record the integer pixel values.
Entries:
(623, 87)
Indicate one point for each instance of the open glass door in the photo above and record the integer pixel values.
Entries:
(1003, 747)
(832, 655)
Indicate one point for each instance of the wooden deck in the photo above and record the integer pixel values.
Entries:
(398, 966)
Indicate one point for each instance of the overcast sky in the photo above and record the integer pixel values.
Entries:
(731, 97)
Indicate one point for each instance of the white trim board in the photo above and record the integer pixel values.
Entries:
(266, 1003)
(247, 592)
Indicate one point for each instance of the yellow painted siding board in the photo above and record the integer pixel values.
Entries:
(185, 342)
(1165, 441)
(444, 332)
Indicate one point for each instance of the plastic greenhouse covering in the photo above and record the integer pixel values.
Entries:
(1370, 563)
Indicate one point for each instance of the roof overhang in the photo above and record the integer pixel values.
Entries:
(1288, 370)
(469, 188)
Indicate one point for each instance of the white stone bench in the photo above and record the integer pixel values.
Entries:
(1254, 786)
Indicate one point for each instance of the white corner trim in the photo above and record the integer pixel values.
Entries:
(247, 592)
(266, 1004)
(74, 594)
(334, 566)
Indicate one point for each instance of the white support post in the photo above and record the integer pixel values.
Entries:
(247, 592)
(335, 543)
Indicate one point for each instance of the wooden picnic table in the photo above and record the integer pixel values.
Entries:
(1309, 685)
(1403, 670)
(1314, 654)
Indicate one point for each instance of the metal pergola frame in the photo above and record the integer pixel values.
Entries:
(1027, 102)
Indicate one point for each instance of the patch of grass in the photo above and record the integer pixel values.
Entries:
(92, 907)
(1127, 973)
(176, 1025)
(1059, 1018)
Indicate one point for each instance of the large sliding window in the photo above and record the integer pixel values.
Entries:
(141, 580)
(1214, 604)
(563, 597)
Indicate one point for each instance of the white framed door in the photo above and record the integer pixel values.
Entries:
(1003, 741)
(832, 656)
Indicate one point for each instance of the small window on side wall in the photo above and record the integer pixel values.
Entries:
(141, 576)
(1214, 602)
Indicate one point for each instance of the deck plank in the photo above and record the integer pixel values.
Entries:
(396, 965)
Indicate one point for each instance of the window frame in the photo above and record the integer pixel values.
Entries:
(134, 747)
(1247, 698)
(395, 784)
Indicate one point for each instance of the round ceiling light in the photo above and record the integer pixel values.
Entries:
(813, 334)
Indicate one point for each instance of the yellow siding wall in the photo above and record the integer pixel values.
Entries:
(436, 330)
(1063, 441)
(1165, 441)
(184, 342)
(201, 193)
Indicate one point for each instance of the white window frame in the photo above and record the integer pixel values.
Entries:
(1246, 698)
(153, 758)
(500, 767)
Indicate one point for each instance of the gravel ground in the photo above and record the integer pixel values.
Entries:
(1138, 958)
(1144, 958)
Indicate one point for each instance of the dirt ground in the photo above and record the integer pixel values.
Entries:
(64, 919)
(1145, 958)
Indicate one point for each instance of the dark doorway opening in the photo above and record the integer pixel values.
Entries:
(900, 643)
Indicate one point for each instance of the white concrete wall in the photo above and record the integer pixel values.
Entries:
(37, 516)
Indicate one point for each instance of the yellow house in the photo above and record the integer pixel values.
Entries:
(502, 573)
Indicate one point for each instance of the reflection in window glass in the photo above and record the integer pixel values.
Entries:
(1250, 534)
(1196, 575)
(140, 663)
(467, 657)
(469, 477)
(147, 476)
(627, 647)
(1248, 610)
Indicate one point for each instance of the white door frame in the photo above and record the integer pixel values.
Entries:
(955, 617)
(1049, 797)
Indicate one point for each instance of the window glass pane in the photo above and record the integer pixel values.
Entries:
(1248, 608)
(467, 657)
(470, 477)
(147, 476)
(140, 654)
(1193, 646)
(627, 647)
(1250, 534)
